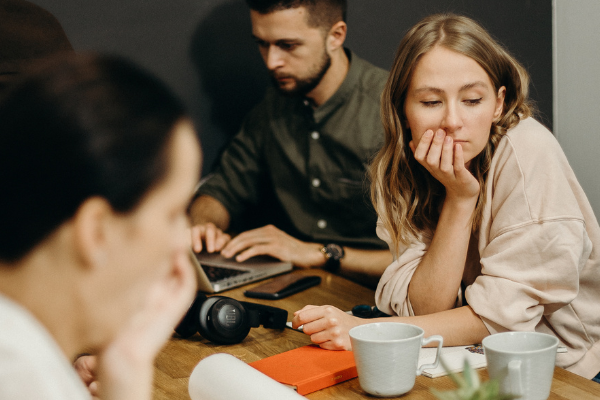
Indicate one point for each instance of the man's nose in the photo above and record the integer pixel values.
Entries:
(274, 58)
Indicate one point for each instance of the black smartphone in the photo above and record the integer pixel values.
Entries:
(283, 286)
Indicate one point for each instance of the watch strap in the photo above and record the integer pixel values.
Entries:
(333, 254)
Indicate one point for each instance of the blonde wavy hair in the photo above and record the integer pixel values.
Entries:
(405, 195)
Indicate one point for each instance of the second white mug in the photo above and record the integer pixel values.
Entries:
(522, 362)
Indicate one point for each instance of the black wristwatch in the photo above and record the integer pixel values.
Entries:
(333, 254)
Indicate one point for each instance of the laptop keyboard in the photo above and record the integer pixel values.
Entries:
(218, 273)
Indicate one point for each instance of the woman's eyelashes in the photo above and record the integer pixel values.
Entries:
(468, 102)
(473, 102)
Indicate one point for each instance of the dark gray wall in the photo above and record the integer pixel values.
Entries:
(203, 50)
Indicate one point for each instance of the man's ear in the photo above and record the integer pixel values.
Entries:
(337, 35)
(91, 223)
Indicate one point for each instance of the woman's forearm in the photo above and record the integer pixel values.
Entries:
(435, 283)
(459, 326)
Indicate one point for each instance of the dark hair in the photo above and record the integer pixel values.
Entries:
(322, 13)
(27, 33)
(78, 127)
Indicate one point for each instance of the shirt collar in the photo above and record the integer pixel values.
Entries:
(346, 88)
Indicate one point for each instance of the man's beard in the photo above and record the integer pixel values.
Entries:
(306, 85)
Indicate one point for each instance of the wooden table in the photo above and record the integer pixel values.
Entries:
(179, 357)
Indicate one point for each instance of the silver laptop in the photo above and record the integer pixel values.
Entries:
(217, 273)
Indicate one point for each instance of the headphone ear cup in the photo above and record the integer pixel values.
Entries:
(223, 320)
(189, 323)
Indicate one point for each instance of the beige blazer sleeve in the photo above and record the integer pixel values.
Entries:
(533, 242)
(527, 273)
(391, 295)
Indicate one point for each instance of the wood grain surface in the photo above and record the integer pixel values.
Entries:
(178, 358)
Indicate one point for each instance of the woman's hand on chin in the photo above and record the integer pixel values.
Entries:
(444, 160)
(85, 365)
(126, 366)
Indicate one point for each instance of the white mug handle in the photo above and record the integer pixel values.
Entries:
(514, 377)
(430, 339)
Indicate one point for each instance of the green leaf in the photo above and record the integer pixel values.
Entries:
(469, 386)
(457, 379)
(471, 376)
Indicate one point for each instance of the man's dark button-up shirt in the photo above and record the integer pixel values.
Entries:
(304, 168)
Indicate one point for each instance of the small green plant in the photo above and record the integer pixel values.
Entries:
(469, 387)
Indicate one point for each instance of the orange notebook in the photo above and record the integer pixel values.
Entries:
(309, 368)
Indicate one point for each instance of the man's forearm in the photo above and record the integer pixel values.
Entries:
(371, 262)
(206, 209)
(365, 266)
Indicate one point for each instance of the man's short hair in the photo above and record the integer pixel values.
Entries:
(321, 13)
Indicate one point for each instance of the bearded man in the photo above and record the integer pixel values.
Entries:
(293, 180)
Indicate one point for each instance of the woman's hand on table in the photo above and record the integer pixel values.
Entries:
(327, 326)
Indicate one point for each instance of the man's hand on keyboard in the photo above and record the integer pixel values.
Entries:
(208, 237)
(271, 241)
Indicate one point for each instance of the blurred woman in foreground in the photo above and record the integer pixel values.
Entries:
(98, 164)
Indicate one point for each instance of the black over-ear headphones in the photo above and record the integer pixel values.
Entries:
(223, 320)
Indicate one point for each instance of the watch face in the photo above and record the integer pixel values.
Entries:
(335, 251)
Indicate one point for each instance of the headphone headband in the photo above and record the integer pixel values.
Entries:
(267, 316)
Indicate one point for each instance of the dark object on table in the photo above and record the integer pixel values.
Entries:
(223, 320)
(283, 286)
(367, 312)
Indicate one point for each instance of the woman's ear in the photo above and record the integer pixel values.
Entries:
(91, 223)
(337, 36)
(499, 103)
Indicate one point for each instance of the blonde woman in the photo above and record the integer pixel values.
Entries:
(489, 227)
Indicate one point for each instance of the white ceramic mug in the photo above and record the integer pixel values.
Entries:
(387, 356)
(522, 362)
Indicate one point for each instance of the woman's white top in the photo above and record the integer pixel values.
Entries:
(32, 366)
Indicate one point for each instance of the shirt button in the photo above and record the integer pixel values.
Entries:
(315, 135)
(316, 182)
(322, 224)
(306, 102)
